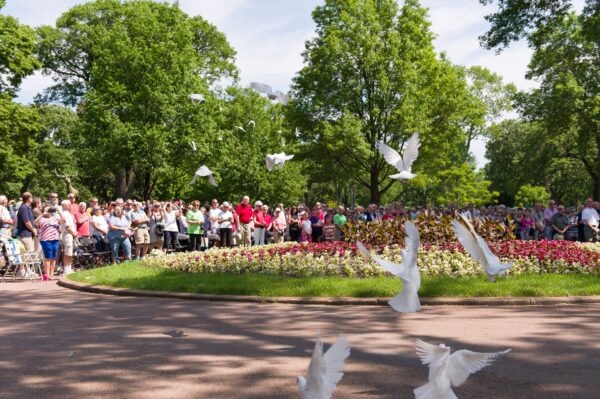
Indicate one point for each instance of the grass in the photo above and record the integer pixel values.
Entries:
(132, 275)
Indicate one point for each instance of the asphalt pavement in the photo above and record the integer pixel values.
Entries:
(59, 343)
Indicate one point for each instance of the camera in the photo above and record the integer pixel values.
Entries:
(52, 210)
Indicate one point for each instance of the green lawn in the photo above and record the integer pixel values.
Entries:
(131, 275)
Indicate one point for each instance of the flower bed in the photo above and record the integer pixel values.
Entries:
(341, 259)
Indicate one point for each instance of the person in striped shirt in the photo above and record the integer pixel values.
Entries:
(49, 223)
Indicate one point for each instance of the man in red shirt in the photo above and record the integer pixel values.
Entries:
(74, 208)
(244, 212)
(82, 220)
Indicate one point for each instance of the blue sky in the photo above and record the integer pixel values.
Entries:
(269, 37)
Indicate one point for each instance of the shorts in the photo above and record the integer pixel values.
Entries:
(50, 249)
(142, 236)
(67, 242)
(28, 243)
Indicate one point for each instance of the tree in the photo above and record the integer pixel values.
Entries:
(565, 62)
(524, 153)
(569, 94)
(516, 19)
(130, 67)
(529, 195)
(237, 157)
(489, 99)
(17, 122)
(463, 185)
(370, 74)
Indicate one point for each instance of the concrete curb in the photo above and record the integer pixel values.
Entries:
(489, 301)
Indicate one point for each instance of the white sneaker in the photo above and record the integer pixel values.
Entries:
(67, 271)
(31, 274)
(22, 273)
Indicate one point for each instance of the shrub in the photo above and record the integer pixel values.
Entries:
(433, 229)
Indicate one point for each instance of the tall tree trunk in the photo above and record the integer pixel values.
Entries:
(149, 184)
(124, 179)
(374, 186)
(27, 183)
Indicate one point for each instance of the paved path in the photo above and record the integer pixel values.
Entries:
(58, 343)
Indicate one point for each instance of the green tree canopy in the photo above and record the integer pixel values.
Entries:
(17, 122)
(529, 195)
(130, 67)
(371, 73)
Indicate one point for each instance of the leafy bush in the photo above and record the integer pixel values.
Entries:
(433, 228)
(529, 195)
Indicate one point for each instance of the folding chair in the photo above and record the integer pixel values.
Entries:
(15, 259)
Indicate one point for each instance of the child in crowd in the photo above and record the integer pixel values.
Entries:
(527, 223)
(306, 227)
(329, 229)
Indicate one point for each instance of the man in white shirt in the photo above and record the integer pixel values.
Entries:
(68, 232)
(225, 220)
(6, 222)
(590, 220)
(213, 217)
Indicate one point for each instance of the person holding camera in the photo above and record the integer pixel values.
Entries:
(49, 227)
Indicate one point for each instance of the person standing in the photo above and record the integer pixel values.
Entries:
(6, 221)
(93, 204)
(527, 225)
(68, 233)
(49, 222)
(155, 214)
(195, 221)
(99, 228)
(279, 226)
(293, 221)
(538, 219)
(572, 233)
(118, 234)
(139, 221)
(306, 227)
(590, 220)
(73, 205)
(244, 212)
(329, 229)
(170, 235)
(225, 220)
(560, 223)
(82, 219)
(268, 224)
(26, 230)
(339, 220)
(548, 213)
(213, 216)
(259, 223)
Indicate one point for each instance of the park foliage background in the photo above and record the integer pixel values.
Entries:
(119, 122)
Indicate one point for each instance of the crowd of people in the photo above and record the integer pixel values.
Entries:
(131, 229)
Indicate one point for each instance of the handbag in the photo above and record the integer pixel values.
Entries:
(159, 227)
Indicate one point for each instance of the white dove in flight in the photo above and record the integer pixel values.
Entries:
(277, 160)
(203, 171)
(449, 370)
(407, 301)
(250, 123)
(324, 370)
(404, 163)
(478, 249)
(196, 97)
(263, 88)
